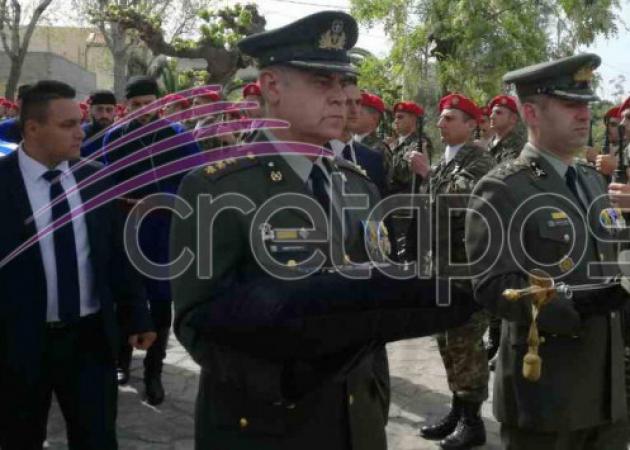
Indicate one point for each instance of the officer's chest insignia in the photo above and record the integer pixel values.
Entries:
(376, 238)
(538, 171)
(333, 39)
(566, 264)
(612, 219)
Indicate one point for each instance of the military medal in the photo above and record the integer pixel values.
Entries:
(276, 176)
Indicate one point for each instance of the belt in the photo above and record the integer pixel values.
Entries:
(85, 320)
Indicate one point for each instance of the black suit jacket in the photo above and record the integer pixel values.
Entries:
(371, 161)
(23, 284)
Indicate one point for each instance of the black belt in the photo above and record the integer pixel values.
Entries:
(59, 325)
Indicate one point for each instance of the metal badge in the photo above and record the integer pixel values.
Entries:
(276, 176)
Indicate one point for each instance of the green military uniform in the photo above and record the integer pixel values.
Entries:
(510, 146)
(289, 365)
(579, 401)
(373, 141)
(400, 176)
(461, 348)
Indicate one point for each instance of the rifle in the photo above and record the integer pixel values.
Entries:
(620, 173)
(590, 134)
(606, 148)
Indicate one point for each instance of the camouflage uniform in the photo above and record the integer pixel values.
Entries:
(509, 147)
(462, 348)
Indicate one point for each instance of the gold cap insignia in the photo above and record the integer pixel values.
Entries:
(210, 170)
(220, 165)
(333, 39)
(584, 75)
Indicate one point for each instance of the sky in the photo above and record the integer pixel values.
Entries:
(615, 53)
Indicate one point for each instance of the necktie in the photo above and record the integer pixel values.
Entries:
(571, 180)
(319, 186)
(347, 153)
(65, 253)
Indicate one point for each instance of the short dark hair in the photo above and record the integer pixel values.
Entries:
(22, 90)
(36, 99)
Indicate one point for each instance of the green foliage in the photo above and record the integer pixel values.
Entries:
(475, 42)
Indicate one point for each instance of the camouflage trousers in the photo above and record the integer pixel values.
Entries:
(465, 358)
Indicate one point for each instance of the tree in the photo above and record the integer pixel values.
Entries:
(218, 34)
(16, 38)
(473, 43)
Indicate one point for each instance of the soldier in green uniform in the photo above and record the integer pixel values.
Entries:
(461, 166)
(373, 110)
(531, 214)
(509, 133)
(287, 359)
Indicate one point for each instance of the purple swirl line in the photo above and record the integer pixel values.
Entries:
(158, 148)
(256, 149)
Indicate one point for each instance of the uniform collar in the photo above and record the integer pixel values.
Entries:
(451, 152)
(558, 165)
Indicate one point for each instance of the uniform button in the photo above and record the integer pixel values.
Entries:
(291, 406)
(602, 257)
(542, 339)
(243, 422)
(350, 399)
(613, 315)
(566, 238)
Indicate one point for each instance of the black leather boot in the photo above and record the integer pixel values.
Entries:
(153, 361)
(446, 425)
(470, 431)
(124, 362)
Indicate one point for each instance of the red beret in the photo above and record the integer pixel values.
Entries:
(84, 106)
(409, 107)
(372, 101)
(485, 111)
(213, 95)
(625, 105)
(461, 102)
(613, 113)
(121, 110)
(6, 103)
(506, 101)
(176, 98)
(251, 89)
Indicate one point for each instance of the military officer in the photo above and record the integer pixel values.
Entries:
(509, 134)
(531, 214)
(485, 133)
(461, 166)
(607, 161)
(279, 371)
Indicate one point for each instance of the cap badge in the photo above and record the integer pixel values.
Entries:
(455, 101)
(333, 39)
(584, 75)
(503, 101)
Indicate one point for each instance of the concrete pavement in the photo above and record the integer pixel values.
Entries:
(419, 394)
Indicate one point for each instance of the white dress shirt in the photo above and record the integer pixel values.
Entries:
(451, 151)
(38, 190)
(338, 146)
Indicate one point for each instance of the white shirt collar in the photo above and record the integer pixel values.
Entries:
(337, 146)
(402, 139)
(451, 152)
(300, 164)
(34, 169)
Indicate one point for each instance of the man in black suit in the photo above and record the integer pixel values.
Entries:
(346, 147)
(58, 330)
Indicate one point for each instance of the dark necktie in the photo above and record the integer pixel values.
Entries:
(65, 253)
(571, 180)
(320, 187)
(347, 153)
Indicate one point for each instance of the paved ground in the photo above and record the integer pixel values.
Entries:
(418, 384)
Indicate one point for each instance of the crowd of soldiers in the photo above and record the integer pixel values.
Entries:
(300, 362)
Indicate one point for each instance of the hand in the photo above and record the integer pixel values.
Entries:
(419, 164)
(606, 164)
(619, 194)
(591, 153)
(142, 341)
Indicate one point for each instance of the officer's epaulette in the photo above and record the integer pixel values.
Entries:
(509, 168)
(228, 166)
(349, 165)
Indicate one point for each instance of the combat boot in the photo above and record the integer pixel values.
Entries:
(154, 390)
(470, 430)
(446, 425)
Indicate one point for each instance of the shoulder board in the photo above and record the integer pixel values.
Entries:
(348, 165)
(228, 166)
(509, 168)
